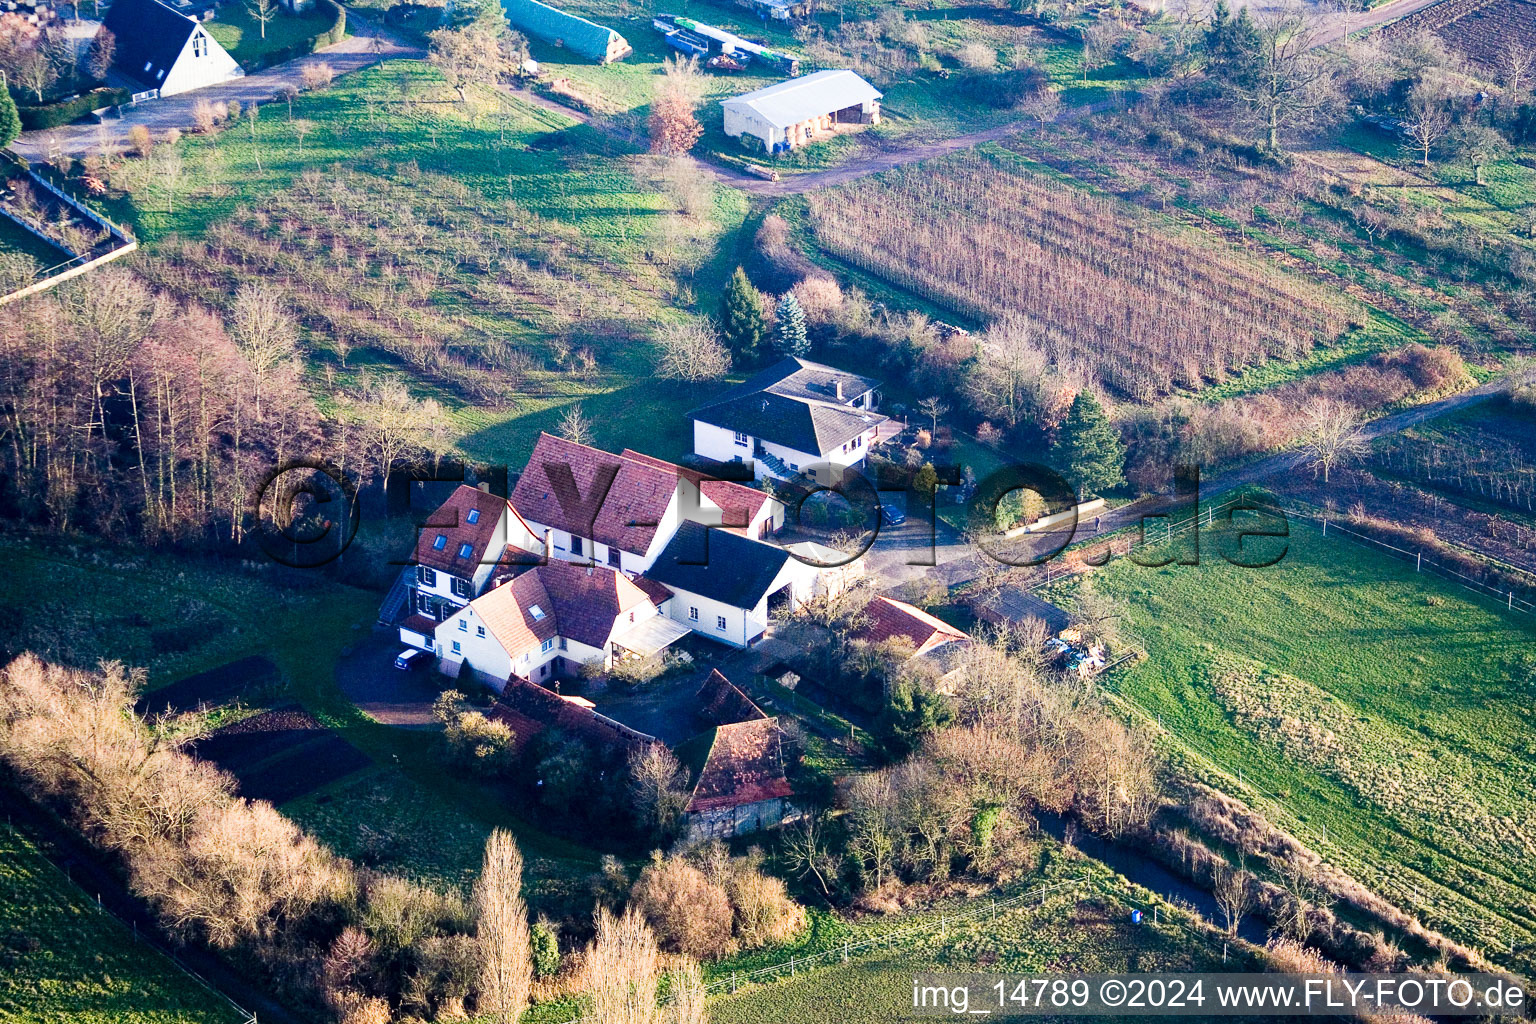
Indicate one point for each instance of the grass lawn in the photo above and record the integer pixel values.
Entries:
(1074, 933)
(85, 966)
(241, 34)
(1384, 715)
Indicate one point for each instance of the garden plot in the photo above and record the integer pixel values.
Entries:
(281, 755)
(246, 677)
(1486, 33)
(1144, 307)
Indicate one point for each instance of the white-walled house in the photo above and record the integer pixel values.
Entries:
(725, 586)
(620, 511)
(549, 621)
(164, 49)
(462, 544)
(794, 415)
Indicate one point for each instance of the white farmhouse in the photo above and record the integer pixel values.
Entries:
(794, 415)
(163, 49)
(620, 511)
(726, 586)
(551, 620)
(790, 114)
(464, 542)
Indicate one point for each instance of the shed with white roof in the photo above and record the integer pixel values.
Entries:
(790, 114)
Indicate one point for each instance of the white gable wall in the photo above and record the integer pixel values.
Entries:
(202, 62)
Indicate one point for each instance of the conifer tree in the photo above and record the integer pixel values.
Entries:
(1088, 448)
(742, 319)
(791, 339)
(10, 120)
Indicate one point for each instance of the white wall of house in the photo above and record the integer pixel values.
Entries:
(202, 62)
(724, 445)
(741, 626)
(561, 547)
(465, 638)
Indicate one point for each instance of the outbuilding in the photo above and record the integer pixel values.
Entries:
(790, 114)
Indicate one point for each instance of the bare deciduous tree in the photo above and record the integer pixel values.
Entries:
(265, 331)
(262, 11)
(1427, 123)
(574, 425)
(692, 352)
(623, 968)
(1331, 435)
(657, 784)
(506, 963)
(1236, 894)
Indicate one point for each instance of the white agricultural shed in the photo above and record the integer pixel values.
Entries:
(793, 113)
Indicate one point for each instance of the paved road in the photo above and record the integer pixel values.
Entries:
(1374, 18)
(354, 52)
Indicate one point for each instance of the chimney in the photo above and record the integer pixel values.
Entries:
(837, 388)
(547, 547)
(484, 487)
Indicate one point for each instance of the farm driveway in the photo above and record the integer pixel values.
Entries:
(384, 693)
(369, 46)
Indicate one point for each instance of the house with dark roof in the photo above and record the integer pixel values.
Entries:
(741, 785)
(791, 417)
(726, 586)
(459, 549)
(160, 48)
(620, 511)
(566, 30)
(550, 620)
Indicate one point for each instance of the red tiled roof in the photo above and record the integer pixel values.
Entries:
(587, 599)
(508, 612)
(745, 765)
(657, 592)
(616, 501)
(529, 708)
(451, 522)
(578, 602)
(722, 703)
(889, 619)
(739, 503)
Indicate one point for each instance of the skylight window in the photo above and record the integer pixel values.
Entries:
(465, 550)
(536, 612)
(440, 542)
(473, 517)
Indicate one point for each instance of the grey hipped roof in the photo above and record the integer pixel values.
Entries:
(719, 565)
(800, 99)
(794, 403)
(150, 36)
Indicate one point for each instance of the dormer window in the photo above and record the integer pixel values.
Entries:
(473, 517)
(440, 542)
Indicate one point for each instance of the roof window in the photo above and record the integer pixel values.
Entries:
(536, 612)
(440, 542)
(473, 517)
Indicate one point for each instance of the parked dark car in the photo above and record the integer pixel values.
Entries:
(890, 515)
(411, 659)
